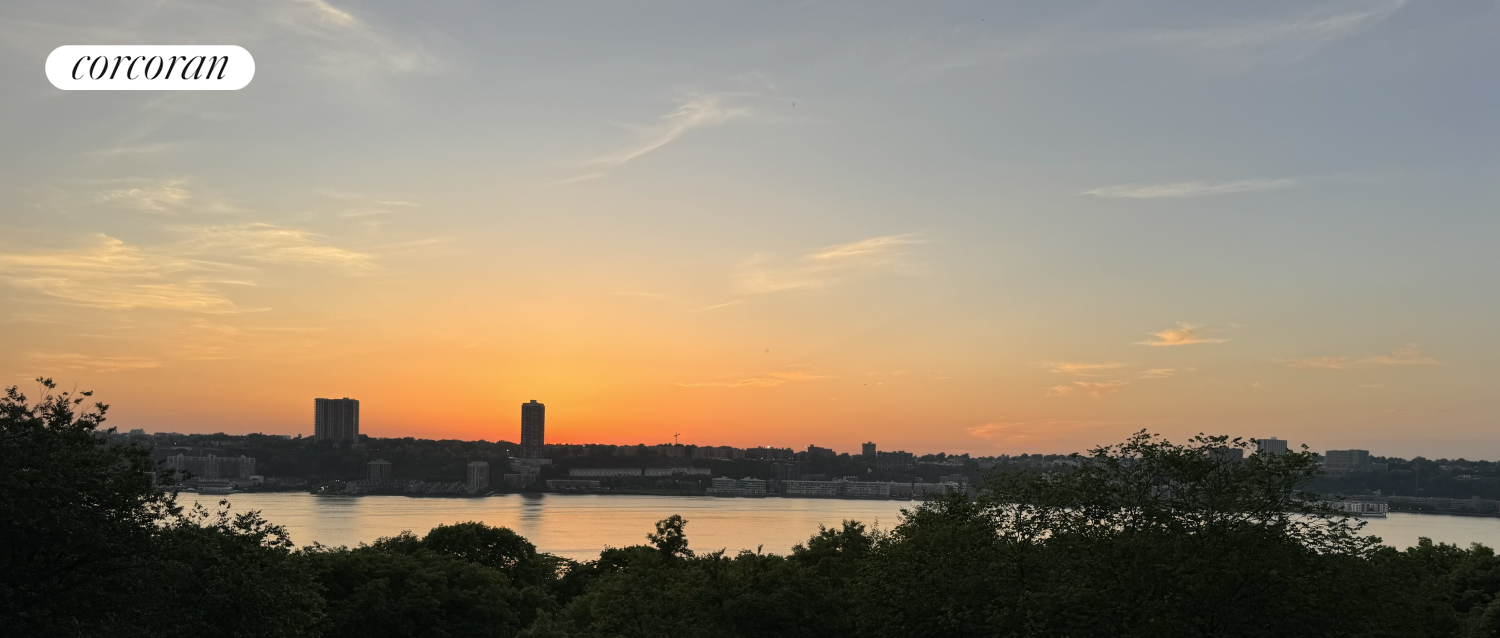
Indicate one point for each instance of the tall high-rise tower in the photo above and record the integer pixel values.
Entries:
(533, 430)
(336, 420)
(868, 451)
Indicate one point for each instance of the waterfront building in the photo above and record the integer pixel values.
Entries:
(380, 470)
(956, 479)
(827, 489)
(533, 430)
(1361, 509)
(336, 420)
(678, 471)
(864, 489)
(577, 485)
(603, 472)
(212, 467)
(1272, 445)
(725, 486)
(479, 475)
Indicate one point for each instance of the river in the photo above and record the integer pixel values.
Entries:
(577, 526)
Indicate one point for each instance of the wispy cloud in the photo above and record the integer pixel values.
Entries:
(1283, 39)
(722, 305)
(1022, 431)
(1183, 335)
(760, 274)
(768, 381)
(1409, 355)
(1157, 373)
(348, 46)
(76, 361)
(188, 275)
(698, 111)
(167, 196)
(272, 244)
(1189, 189)
(1084, 369)
(1096, 389)
(1319, 363)
(109, 273)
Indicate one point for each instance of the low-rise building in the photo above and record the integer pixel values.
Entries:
(604, 472)
(479, 475)
(725, 486)
(678, 471)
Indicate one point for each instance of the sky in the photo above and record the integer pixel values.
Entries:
(991, 228)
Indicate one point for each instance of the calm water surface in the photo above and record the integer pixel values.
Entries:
(579, 525)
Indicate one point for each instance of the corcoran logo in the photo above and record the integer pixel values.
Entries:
(150, 68)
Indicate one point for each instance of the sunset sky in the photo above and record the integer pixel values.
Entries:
(970, 227)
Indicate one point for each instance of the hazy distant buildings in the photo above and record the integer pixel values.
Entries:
(868, 451)
(479, 475)
(747, 486)
(380, 470)
(604, 472)
(1224, 453)
(895, 460)
(533, 430)
(212, 467)
(336, 420)
(815, 452)
(1347, 462)
(1272, 445)
(786, 471)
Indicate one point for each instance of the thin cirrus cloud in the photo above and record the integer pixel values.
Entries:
(1096, 389)
(1189, 189)
(167, 196)
(188, 275)
(769, 381)
(1408, 355)
(761, 274)
(1157, 373)
(108, 273)
(1284, 39)
(346, 45)
(699, 111)
(1084, 369)
(1185, 334)
(77, 361)
(272, 244)
(722, 305)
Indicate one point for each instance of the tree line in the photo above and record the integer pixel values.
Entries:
(1143, 538)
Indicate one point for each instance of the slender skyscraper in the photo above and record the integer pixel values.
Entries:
(533, 430)
(336, 420)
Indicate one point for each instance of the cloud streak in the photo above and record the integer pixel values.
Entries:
(1096, 389)
(1084, 369)
(184, 276)
(1189, 189)
(1185, 334)
(699, 111)
(109, 273)
(769, 381)
(1408, 355)
(823, 267)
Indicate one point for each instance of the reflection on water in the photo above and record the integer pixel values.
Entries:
(579, 525)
